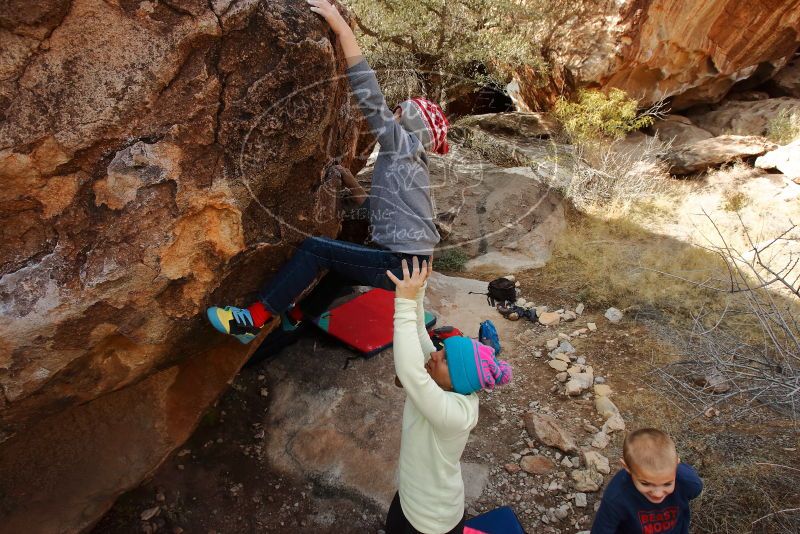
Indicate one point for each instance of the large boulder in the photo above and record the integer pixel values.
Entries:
(745, 118)
(786, 159)
(505, 215)
(692, 51)
(713, 152)
(156, 157)
(503, 218)
(679, 130)
(515, 124)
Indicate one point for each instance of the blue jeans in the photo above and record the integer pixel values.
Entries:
(363, 265)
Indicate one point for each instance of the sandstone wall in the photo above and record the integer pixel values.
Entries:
(694, 51)
(155, 158)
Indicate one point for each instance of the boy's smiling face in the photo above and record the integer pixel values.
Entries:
(655, 485)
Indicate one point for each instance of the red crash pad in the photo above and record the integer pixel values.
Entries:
(365, 323)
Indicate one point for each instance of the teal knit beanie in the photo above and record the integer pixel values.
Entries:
(473, 365)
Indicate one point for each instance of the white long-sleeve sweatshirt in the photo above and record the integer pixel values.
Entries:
(436, 425)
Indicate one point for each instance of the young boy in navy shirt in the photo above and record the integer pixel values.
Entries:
(651, 495)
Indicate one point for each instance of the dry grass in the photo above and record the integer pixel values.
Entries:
(616, 262)
(746, 467)
(784, 128)
(613, 177)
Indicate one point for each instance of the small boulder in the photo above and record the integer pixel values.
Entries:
(578, 384)
(547, 430)
(602, 390)
(586, 480)
(549, 318)
(580, 500)
(561, 512)
(574, 388)
(615, 423)
(591, 326)
(537, 465)
(579, 308)
(512, 469)
(605, 407)
(600, 440)
(569, 316)
(614, 315)
(564, 347)
(552, 343)
(596, 461)
(562, 377)
(558, 365)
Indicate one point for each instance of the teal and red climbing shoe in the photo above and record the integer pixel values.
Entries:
(234, 321)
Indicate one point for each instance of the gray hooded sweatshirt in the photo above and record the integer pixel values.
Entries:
(400, 206)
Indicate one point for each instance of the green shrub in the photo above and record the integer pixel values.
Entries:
(735, 201)
(451, 259)
(596, 115)
(784, 128)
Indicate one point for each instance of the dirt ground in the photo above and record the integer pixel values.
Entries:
(222, 482)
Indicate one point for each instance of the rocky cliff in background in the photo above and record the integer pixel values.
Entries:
(693, 51)
(156, 157)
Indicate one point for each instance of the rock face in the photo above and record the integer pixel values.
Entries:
(692, 51)
(155, 158)
(788, 79)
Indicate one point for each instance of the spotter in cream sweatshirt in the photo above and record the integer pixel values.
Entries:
(436, 425)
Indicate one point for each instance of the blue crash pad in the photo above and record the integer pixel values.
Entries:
(501, 520)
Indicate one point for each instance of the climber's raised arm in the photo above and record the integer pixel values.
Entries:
(347, 40)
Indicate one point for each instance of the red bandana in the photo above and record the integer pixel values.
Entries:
(437, 124)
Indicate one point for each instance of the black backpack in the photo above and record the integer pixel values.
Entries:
(501, 290)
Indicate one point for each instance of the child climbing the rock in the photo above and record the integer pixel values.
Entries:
(399, 204)
(652, 493)
(441, 409)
